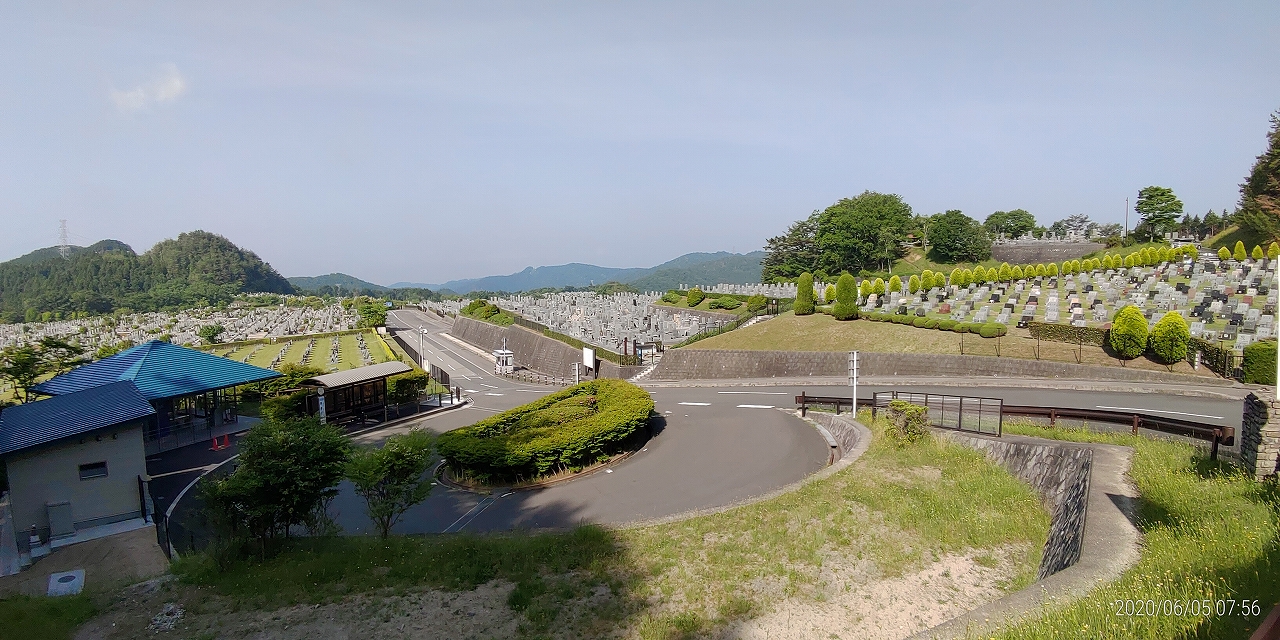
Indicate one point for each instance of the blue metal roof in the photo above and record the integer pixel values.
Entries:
(43, 421)
(159, 370)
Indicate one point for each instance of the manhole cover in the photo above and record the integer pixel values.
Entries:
(66, 579)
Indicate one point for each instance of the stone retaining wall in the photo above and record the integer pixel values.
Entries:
(708, 364)
(1260, 437)
(532, 350)
(844, 433)
(1039, 251)
(1060, 474)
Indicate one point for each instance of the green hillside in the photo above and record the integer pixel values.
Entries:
(40, 255)
(335, 281)
(195, 269)
(1234, 233)
(731, 268)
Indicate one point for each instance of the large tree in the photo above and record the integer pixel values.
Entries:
(791, 254)
(1013, 224)
(1159, 209)
(863, 232)
(394, 478)
(1260, 192)
(959, 238)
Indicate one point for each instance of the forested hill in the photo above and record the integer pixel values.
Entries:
(198, 268)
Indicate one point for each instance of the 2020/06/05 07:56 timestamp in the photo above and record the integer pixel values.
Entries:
(1193, 608)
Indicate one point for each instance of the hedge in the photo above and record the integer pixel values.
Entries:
(1260, 363)
(725, 302)
(1067, 333)
(804, 294)
(568, 429)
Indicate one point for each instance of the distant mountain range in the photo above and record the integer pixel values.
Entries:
(691, 268)
(338, 281)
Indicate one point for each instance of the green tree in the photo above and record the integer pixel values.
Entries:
(913, 283)
(804, 294)
(957, 277)
(696, 295)
(829, 296)
(1256, 254)
(1260, 192)
(1005, 272)
(373, 314)
(1224, 253)
(895, 284)
(1013, 224)
(1159, 208)
(394, 478)
(863, 232)
(796, 252)
(877, 287)
(846, 307)
(1273, 251)
(1128, 334)
(1238, 252)
(210, 332)
(22, 366)
(1169, 338)
(958, 238)
(1017, 273)
(288, 472)
(59, 355)
(1051, 270)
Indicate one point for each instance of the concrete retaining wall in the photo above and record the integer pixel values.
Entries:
(532, 350)
(708, 364)
(845, 434)
(1060, 474)
(1034, 252)
(1260, 437)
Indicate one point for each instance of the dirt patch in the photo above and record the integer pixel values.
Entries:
(852, 607)
(481, 613)
(108, 563)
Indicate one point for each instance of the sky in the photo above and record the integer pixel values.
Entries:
(425, 141)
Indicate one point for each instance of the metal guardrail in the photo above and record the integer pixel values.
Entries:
(961, 413)
(1215, 434)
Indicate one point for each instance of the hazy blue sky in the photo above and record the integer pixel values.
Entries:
(431, 141)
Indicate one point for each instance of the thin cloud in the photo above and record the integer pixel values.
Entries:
(166, 86)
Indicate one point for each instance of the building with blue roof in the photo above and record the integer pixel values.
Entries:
(193, 392)
(76, 461)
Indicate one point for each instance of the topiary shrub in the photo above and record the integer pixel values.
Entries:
(1238, 252)
(1052, 269)
(1169, 338)
(1256, 254)
(1128, 335)
(931, 323)
(946, 324)
(829, 294)
(672, 297)
(804, 295)
(1273, 251)
(568, 429)
(920, 322)
(1224, 253)
(1017, 273)
(895, 284)
(960, 327)
(757, 303)
(1260, 363)
(695, 297)
(913, 284)
(992, 330)
(846, 307)
(908, 423)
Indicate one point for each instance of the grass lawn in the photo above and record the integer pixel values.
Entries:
(1233, 234)
(27, 618)
(895, 510)
(704, 306)
(818, 332)
(1210, 533)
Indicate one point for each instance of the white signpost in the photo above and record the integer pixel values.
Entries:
(589, 357)
(320, 409)
(853, 379)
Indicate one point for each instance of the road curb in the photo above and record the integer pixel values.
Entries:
(1222, 393)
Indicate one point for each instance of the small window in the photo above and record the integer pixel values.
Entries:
(93, 470)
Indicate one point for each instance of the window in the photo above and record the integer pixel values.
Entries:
(93, 470)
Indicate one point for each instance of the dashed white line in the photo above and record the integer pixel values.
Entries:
(758, 393)
(492, 394)
(472, 390)
(487, 385)
(695, 404)
(755, 406)
(1176, 413)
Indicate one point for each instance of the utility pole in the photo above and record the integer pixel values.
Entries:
(422, 359)
(64, 246)
(1126, 218)
(853, 380)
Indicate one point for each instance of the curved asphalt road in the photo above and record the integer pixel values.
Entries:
(713, 446)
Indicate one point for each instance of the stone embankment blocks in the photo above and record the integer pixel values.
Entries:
(532, 350)
(1260, 437)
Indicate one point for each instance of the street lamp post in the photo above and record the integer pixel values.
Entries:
(422, 359)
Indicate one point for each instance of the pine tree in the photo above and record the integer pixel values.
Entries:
(1260, 193)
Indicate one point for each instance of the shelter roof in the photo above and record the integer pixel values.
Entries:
(359, 374)
(159, 370)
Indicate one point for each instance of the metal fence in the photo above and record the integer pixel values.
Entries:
(976, 415)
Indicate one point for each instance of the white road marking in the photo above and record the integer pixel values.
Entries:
(487, 385)
(1176, 413)
(695, 404)
(492, 394)
(608, 470)
(472, 390)
(755, 406)
(759, 393)
(532, 390)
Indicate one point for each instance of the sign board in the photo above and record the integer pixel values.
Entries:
(320, 407)
(589, 357)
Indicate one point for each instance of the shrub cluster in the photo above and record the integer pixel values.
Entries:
(404, 387)
(1169, 338)
(695, 297)
(568, 429)
(725, 302)
(908, 423)
(672, 297)
(1260, 363)
(986, 330)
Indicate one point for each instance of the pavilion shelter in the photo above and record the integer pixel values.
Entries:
(354, 394)
(193, 392)
(74, 462)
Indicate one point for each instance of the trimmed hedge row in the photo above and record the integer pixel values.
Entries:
(1067, 333)
(568, 429)
(1259, 365)
(986, 330)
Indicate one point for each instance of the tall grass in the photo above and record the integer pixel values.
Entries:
(27, 618)
(1210, 533)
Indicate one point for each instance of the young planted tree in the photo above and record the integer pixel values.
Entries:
(210, 332)
(1256, 254)
(877, 287)
(804, 294)
(913, 284)
(895, 284)
(829, 296)
(1052, 269)
(1128, 334)
(1238, 252)
(1224, 253)
(1169, 338)
(1273, 251)
(846, 307)
(394, 478)
(957, 277)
